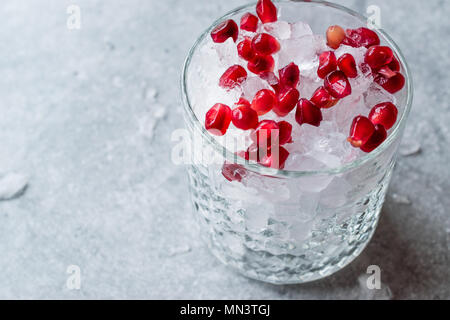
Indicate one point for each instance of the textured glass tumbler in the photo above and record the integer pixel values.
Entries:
(284, 226)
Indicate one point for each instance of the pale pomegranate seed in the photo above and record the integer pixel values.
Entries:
(335, 36)
(285, 132)
(245, 50)
(225, 30)
(338, 85)
(264, 101)
(249, 22)
(289, 75)
(265, 44)
(378, 56)
(287, 100)
(361, 37)
(386, 72)
(393, 84)
(376, 139)
(266, 10)
(327, 64)
(244, 117)
(275, 158)
(217, 119)
(233, 171)
(385, 114)
(266, 134)
(308, 113)
(321, 98)
(233, 77)
(261, 64)
(347, 65)
(361, 131)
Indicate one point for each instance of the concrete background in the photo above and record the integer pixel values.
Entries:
(86, 116)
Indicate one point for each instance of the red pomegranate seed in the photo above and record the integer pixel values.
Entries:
(249, 22)
(285, 132)
(289, 75)
(308, 113)
(265, 44)
(321, 98)
(244, 117)
(264, 101)
(287, 100)
(386, 72)
(233, 171)
(254, 153)
(361, 131)
(266, 10)
(361, 37)
(261, 64)
(378, 56)
(218, 119)
(233, 77)
(376, 139)
(327, 64)
(245, 50)
(347, 65)
(225, 30)
(275, 158)
(335, 36)
(394, 65)
(385, 114)
(393, 84)
(266, 134)
(338, 85)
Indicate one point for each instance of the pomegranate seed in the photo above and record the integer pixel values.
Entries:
(394, 65)
(266, 10)
(249, 22)
(287, 100)
(378, 56)
(376, 139)
(308, 113)
(386, 72)
(393, 84)
(275, 159)
(245, 50)
(327, 64)
(242, 102)
(361, 37)
(265, 44)
(338, 85)
(322, 98)
(266, 132)
(264, 101)
(254, 153)
(289, 75)
(385, 114)
(233, 77)
(261, 64)
(233, 171)
(347, 65)
(225, 30)
(285, 132)
(218, 119)
(361, 131)
(335, 36)
(244, 117)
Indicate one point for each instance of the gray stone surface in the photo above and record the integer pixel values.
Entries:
(87, 115)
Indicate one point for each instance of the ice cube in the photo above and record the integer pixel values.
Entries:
(252, 85)
(227, 53)
(279, 29)
(376, 94)
(301, 51)
(357, 53)
(300, 29)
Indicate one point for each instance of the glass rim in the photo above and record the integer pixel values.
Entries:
(281, 173)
